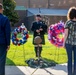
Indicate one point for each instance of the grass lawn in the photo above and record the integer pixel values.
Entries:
(50, 53)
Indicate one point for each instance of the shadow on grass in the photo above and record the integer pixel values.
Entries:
(49, 60)
(12, 70)
(9, 62)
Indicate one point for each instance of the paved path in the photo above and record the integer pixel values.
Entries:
(22, 70)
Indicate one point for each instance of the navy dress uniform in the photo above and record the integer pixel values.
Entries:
(4, 41)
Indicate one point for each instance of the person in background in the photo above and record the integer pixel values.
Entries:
(4, 39)
(39, 28)
(70, 40)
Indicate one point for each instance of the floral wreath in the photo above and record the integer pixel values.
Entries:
(53, 34)
(24, 33)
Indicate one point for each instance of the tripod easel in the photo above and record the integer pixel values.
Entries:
(39, 60)
(57, 52)
(16, 51)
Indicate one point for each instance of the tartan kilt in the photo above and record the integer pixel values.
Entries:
(43, 40)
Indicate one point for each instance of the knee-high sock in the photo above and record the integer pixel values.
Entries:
(36, 48)
(40, 51)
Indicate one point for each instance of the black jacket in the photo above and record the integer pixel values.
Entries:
(37, 26)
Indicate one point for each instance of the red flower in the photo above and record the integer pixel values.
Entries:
(18, 44)
(27, 36)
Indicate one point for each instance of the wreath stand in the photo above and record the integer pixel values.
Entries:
(57, 52)
(39, 62)
(16, 51)
(21, 29)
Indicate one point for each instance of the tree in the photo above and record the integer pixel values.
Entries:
(9, 10)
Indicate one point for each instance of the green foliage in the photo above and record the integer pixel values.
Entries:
(9, 6)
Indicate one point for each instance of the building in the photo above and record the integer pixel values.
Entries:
(50, 16)
(57, 4)
(52, 10)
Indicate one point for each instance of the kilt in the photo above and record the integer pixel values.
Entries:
(42, 37)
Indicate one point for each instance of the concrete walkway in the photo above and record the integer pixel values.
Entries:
(22, 70)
